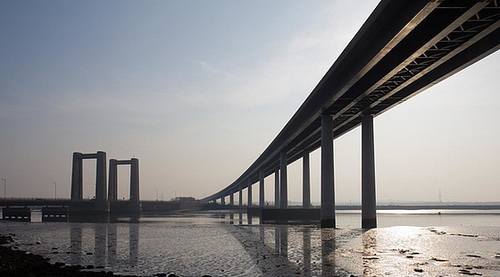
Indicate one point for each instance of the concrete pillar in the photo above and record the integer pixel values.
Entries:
(306, 180)
(134, 180)
(277, 188)
(113, 180)
(100, 183)
(261, 188)
(368, 195)
(223, 200)
(283, 182)
(241, 195)
(327, 181)
(249, 193)
(231, 198)
(77, 177)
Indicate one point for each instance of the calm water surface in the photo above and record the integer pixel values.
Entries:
(423, 243)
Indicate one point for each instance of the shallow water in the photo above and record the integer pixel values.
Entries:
(217, 244)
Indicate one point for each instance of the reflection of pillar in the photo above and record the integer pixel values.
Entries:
(231, 218)
(277, 188)
(249, 193)
(240, 218)
(277, 239)
(306, 181)
(134, 180)
(76, 245)
(368, 197)
(77, 177)
(134, 243)
(261, 188)
(369, 240)
(100, 184)
(112, 233)
(283, 183)
(100, 235)
(249, 219)
(327, 248)
(284, 240)
(113, 180)
(327, 191)
(306, 248)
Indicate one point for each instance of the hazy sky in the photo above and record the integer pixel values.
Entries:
(196, 90)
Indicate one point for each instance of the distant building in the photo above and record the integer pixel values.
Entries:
(183, 199)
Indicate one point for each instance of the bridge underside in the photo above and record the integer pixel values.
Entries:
(405, 47)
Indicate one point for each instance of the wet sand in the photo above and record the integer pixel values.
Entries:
(21, 263)
(220, 246)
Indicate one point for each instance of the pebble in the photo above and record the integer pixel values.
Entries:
(473, 256)
(467, 272)
(439, 260)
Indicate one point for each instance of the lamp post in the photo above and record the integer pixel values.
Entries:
(55, 190)
(4, 188)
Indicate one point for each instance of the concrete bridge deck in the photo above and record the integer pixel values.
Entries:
(404, 47)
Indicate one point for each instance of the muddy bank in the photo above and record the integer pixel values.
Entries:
(21, 263)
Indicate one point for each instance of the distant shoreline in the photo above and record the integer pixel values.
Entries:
(397, 207)
(425, 207)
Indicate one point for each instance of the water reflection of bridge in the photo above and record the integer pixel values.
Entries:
(288, 250)
(275, 250)
(105, 245)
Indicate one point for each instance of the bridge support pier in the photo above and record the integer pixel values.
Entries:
(133, 207)
(368, 194)
(134, 180)
(261, 188)
(277, 188)
(231, 199)
(249, 204)
(241, 196)
(100, 187)
(98, 208)
(327, 181)
(306, 181)
(283, 182)
(223, 200)
(77, 177)
(113, 180)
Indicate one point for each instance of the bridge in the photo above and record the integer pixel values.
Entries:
(404, 47)
(104, 204)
